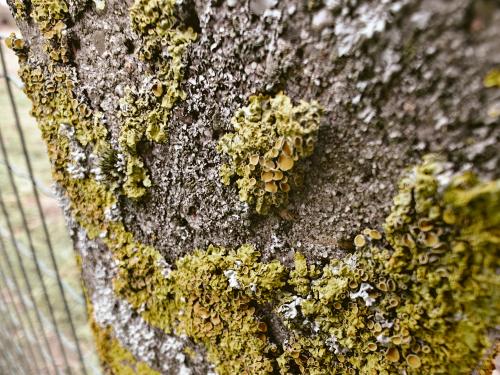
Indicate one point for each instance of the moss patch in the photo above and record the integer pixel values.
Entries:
(271, 136)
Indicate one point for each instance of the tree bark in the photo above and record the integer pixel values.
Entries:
(134, 135)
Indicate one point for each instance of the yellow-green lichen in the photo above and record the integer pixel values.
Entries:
(422, 305)
(235, 339)
(51, 17)
(420, 298)
(54, 105)
(271, 136)
(145, 115)
(492, 79)
(210, 296)
(57, 107)
(115, 359)
(20, 9)
(164, 42)
(17, 45)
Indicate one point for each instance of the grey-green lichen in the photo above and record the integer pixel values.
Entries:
(100, 4)
(145, 114)
(271, 136)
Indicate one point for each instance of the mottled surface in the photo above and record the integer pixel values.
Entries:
(166, 353)
(391, 94)
(391, 97)
(397, 79)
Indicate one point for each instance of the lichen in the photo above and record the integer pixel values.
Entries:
(144, 114)
(17, 45)
(234, 337)
(271, 136)
(422, 300)
(222, 317)
(51, 17)
(492, 79)
(100, 4)
(163, 43)
(419, 298)
(115, 359)
(196, 299)
(391, 306)
(20, 10)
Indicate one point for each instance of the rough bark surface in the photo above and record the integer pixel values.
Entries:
(397, 80)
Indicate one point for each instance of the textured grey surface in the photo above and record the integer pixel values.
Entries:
(398, 79)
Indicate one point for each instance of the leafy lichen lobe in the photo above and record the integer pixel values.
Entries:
(51, 17)
(271, 136)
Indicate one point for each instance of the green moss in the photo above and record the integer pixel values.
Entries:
(164, 41)
(271, 136)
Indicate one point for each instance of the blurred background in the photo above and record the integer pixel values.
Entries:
(43, 322)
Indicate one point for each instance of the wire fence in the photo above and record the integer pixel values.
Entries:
(43, 326)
